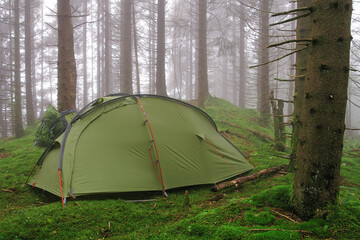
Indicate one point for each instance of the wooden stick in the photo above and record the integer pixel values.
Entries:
(238, 181)
(282, 215)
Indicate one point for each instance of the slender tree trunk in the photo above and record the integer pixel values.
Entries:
(322, 127)
(98, 52)
(126, 57)
(66, 58)
(224, 77)
(84, 40)
(264, 57)
(42, 65)
(19, 130)
(107, 46)
(302, 31)
(242, 61)
(30, 118)
(234, 65)
(160, 59)
(202, 51)
(135, 48)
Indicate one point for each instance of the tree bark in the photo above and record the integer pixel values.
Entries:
(107, 46)
(160, 59)
(302, 32)
(264, 107)
(19, 130)
(317, 177)
(66, 59)
(30, 117)
(135, 48)
(126, 57)
(242, 61)
(203, 88)
(85, 82)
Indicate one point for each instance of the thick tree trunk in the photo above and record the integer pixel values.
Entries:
(66, 58)
(160, 59)
(321, 131)
(30, 118)
(302, 31)
(19, 130)
(203, 88)
(126, 56)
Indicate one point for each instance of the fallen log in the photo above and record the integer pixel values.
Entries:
(261, 134)
(238, 181)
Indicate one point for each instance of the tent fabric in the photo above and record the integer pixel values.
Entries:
(111, 148)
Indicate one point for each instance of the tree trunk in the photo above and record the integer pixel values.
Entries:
(19, 130)
(107, 45)
(160, 60)
(42, 65)
(264, 107)
(302, 31)
(85, 90)
(126, 57)
(242, 61)
(322, 127)
(203, 88)
(30, 118)
(98, 52)
(135, 48)
(66, 58)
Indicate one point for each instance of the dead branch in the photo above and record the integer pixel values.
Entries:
(261, 134)
(238, 181)
(291, 11)
(353, 129)
(284, 80)
(290, 19)
(277, 59)
(287, 101)
(231, 124)
(283, 215)
(290, 41)
(52, 26)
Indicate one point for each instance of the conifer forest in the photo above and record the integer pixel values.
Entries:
(179, 119)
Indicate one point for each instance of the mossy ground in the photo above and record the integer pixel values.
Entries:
(258, 210)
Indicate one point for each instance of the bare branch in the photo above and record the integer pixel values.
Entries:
(277, 59)
(290, 41)
(290, 19)
(284, 80)
(291, 11)
(52, 26)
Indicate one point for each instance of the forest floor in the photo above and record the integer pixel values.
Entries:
(258, 210)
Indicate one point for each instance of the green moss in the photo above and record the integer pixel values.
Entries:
(229, 232)
(257, 217)
(279, 197)
(276, 235)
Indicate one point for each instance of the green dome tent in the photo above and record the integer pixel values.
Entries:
(127, 143)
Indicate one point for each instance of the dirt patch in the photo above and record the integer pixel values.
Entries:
(2, 154)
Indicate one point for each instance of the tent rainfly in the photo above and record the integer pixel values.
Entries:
(128, 143)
